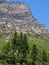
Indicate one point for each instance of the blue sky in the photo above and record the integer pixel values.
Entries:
(39, 9)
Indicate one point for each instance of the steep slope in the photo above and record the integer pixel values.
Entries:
(18, 16)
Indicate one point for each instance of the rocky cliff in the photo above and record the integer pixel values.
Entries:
(18, 16)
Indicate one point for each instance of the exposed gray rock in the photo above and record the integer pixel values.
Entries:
(18, 16)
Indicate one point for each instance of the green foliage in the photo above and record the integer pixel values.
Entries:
(14, 41)
(7, 48)
(24, 49)
(44, 57)
(23, 43)
(34, 54)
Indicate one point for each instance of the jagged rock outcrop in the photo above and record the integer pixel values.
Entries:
(18, 16)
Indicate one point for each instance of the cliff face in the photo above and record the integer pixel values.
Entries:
(18, 16)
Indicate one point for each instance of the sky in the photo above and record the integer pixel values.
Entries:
(39, 9)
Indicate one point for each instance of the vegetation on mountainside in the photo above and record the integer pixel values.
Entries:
(24, 49)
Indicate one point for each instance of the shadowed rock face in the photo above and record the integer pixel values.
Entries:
(18, 16)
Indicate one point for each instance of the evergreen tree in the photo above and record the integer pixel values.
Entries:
(21, 42)
(23, 47)
(44, 57)
(15, 41)
(25, 43)
(34, 54)
(14, 45)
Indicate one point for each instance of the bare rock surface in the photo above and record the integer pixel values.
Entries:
(18, 16)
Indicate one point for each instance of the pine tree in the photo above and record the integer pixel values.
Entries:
(15, 41)
(23, 47)
(34, 54)
(21, 42)
(44, 57)
(14, 45)
(25, 43)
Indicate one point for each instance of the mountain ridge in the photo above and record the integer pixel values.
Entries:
(18, 16)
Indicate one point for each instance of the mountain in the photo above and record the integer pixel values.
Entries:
(17, 49)
(18, 16)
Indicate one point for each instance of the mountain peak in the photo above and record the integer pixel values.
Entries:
(18, 16)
